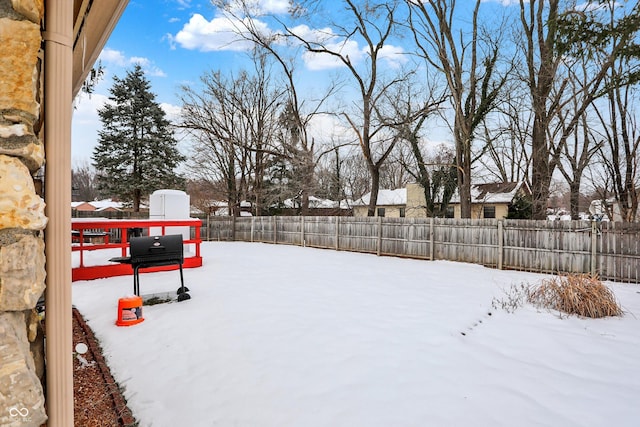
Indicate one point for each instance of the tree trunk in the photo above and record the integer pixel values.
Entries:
(463, 160)
(540, 175)
(136, 200)
(574, 198)
(375, 186)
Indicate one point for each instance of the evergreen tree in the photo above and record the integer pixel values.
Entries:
(521, 207)
(136, 152)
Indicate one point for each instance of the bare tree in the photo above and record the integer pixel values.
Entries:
(471, 75)
(576, 151)
(232, 122)
(620, 153)
(299, 112)
(374, 24)
(83, 183)
(411, 110)
(555, 34)
(357, 181)
(505, 154)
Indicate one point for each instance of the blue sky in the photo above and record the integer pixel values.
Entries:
(144, 35)
(177, 41)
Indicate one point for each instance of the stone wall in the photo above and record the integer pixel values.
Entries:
(22, 218)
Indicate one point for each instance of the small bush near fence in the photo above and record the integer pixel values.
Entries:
(579, 294)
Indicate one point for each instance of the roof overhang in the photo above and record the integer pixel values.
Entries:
(93, 22)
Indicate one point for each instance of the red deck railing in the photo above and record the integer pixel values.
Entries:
(96, 241)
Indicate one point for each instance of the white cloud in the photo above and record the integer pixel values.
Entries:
(172, 111)
(183, 4)
(327, 38)
(85, 125)
(321, 61)
(260, 7)
(86, 107)
(505, 3)
(394, 56)
(321, 35)
(221, 33)
(143, 62)
(225, 33)
(113, 57)
(119, 59)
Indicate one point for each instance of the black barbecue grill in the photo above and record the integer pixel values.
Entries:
(154, 251)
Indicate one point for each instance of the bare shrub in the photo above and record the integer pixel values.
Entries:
(513, 299)
(579, 294)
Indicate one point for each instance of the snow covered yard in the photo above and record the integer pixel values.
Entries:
(283, 336)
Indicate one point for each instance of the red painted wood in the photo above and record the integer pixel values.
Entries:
(110, 269)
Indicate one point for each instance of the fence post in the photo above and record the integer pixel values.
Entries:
(594, 247)
(253, 225)
(500, 244)
(431, 243)
(275, 230)
(379, 251)
(233, 228)
(337, 233)
(302, 242)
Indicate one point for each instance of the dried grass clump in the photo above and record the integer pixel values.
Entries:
(579, 294)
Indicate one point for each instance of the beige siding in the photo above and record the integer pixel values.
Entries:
(416, 202)
(477, 210)
(390, 211)
(360, 211)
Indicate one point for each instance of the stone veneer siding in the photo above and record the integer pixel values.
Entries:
(22, 217)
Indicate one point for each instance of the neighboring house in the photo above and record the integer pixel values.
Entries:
(106, 205)
(317, 207)
(390, 203)
(221, 208)
(491, 200)
(607, 210)
(82, 206)
(314, 203)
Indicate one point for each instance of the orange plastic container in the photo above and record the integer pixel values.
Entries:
(129, 311)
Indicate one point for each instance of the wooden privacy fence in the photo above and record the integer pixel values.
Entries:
(611, 250)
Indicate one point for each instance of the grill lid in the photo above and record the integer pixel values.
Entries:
(156, 249)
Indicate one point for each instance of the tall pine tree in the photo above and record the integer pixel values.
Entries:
(136, 152)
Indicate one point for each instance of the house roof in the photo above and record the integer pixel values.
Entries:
(314, 203)
(385, 198)
(100, 205)
(497, 192)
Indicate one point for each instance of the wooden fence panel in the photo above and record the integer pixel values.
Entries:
(393, 235)
(619, 251)
(473, 241)
(320, 231)
(289, 230)
(539, 246)
(418, 238)
(547, 246)
(358, 234)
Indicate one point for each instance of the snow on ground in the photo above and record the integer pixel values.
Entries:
(284, 336)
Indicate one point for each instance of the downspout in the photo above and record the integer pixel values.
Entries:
(58, 48)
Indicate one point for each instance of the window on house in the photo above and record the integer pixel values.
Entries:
(401, 212)
(450, 212)
(489, 212)
(380, 211)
